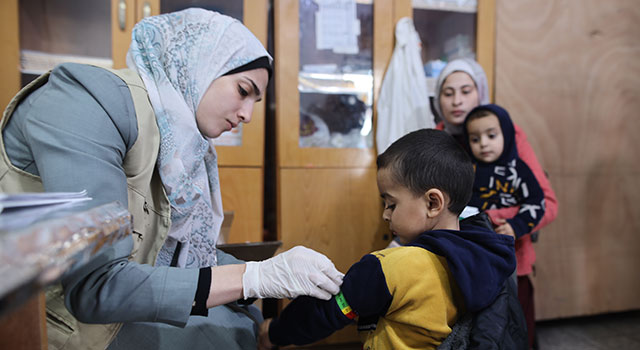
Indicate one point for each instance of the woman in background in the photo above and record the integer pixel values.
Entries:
(461, 86)
(141, 136)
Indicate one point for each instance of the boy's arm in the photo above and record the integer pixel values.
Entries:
(306, 319)
(532, 205)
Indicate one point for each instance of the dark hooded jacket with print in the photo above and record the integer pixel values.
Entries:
(508, 181)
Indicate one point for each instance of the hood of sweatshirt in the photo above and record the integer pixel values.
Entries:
(479, 259)
(509, 150)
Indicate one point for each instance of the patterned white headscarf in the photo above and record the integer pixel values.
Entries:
(178, 55)
(476, 73)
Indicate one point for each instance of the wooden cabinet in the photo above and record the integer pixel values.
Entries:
(455, 29)
(56, 31)
(124, 15)
(327, 196)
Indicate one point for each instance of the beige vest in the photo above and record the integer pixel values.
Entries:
(148, 205)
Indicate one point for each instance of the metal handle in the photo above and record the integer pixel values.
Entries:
(122, 13)
(146, 9)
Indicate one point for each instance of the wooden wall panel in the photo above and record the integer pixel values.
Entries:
(485, 40)
(10, 44)
(337, 212)
(569, 74)
(242, 192)
(121, 38)
(25, 328)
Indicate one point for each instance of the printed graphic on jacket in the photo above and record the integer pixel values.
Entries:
(508, 181)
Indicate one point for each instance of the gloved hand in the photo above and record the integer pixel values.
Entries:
(298, 271)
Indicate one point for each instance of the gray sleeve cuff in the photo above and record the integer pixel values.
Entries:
(177, 291)
(110, 289)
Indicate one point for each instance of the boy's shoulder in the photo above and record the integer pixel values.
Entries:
(408, 259)
(398, 252)
(414, 273)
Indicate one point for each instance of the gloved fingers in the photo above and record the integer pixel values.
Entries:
(317, 292)
(321, 262)
(335, 276)
(325, 284)
(329, 269)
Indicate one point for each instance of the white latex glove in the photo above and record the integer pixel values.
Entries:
(298, 271)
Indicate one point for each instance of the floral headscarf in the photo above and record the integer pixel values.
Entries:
(476, 73)
(178, 55)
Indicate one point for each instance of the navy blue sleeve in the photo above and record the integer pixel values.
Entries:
(531, 202)
(306, 319)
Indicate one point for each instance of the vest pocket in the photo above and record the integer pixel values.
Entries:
(58, 323)
(139, 210)
(137, 241)
(59, 331)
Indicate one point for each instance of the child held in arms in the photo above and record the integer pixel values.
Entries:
(409, 297)
(502, 179)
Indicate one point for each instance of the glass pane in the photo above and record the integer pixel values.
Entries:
(336, 74)
(56, 31)
(233, 8)
(447, 30)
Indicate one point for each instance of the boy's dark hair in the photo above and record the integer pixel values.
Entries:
(428, 158)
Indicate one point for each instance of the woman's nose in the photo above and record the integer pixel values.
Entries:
(456, 99)
(245, 112)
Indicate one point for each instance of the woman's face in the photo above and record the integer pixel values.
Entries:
(229, 101)
(458, 96)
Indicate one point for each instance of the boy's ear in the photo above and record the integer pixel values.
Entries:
(435, 202)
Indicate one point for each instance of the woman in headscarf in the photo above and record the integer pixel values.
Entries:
(142, 136)
(462, 86)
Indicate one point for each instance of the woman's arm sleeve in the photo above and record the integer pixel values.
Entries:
(110, 288)
(79, 132)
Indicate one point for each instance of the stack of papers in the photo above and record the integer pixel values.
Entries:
(21, 209)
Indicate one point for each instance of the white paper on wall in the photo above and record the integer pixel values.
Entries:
(337, 26)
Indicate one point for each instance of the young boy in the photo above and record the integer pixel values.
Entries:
(502, 179)
(409, 297)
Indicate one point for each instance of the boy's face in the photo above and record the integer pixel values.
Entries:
(405, 213)
(485, 138)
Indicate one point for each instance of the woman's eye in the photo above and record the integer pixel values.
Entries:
(242, 91)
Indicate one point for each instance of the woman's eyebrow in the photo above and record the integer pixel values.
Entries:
(255, 87)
